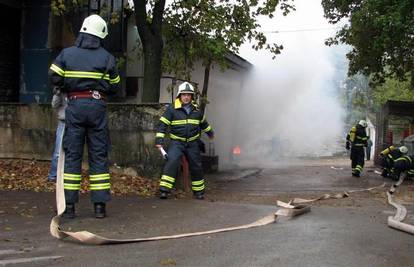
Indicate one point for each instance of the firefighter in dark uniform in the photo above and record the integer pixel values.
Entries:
(404, 163)
(356, 140)
(186, 123)
(389, 156)
(87, 73)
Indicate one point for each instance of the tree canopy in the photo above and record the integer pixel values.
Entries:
(381, 34)
(191, 30)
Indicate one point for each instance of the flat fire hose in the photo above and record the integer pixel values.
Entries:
(86, 237)
(296, 206)
(396, 221)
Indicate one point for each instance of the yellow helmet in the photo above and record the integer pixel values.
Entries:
(95, 25)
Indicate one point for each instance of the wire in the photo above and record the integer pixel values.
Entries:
(304, 30)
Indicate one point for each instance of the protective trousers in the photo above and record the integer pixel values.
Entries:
(192, 152)
(387, 163)
(86, 120)
(357, 159)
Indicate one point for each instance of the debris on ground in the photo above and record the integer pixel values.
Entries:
(31, 175)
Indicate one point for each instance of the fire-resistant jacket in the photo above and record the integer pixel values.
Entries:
(85, 66)
(404, 163)
(391, 153)
(357, 136)
(183, 127)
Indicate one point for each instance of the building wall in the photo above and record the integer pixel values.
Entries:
(27, 131)
(225, 90)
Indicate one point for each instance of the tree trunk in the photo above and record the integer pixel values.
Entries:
(205, 87)
(152, 71)
(150, 32)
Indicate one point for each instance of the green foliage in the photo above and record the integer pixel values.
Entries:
(208, 30)
(393, 90)
(60, 7)
(357, 98)
(380, 33)
(360, 99)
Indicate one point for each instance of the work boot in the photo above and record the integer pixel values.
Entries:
(199, 195)
(69, 212)
(356, 175)
(163, 195)
(100, 210)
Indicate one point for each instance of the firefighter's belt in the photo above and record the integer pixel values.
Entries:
(87, 94)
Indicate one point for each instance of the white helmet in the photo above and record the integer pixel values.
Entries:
(403, 149)
(95, 25)
(185, 87)
(363, 123)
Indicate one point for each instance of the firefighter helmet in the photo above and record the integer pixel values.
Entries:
(363, 123)
(403, 149)
(185, 87)
(95, 25)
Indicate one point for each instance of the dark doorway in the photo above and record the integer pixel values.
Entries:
(9, 53)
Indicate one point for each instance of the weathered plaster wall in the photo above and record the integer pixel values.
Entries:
(27, 131)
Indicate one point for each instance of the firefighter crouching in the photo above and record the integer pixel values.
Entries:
(388, 158)
(87, 73)
(186, 123)
(404, 163)
(356, 141)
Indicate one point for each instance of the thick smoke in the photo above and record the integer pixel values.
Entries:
(289, 107)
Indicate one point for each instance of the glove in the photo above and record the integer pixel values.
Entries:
(347, 146)
(163, 153)
(202, 146)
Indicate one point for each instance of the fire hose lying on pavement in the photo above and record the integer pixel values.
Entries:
(93, 239)
(293, 208)
(396, 221)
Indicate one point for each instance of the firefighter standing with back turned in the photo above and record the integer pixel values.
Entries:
(186, 123)
(356, 140)
(87, 73)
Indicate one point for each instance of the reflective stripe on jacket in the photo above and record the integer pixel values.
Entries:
(85, 66)
(357, 136)
(183, 127)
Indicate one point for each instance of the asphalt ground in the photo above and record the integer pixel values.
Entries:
(345, 232)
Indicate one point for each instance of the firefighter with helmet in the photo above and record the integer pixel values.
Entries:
(186, 123)
(405, 163)
(388, 157)
(356, 140)
(88, 74)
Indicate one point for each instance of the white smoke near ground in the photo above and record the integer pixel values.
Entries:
(289, 107)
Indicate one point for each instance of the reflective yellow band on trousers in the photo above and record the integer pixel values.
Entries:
(166, 184)
(197, 182)
(168, 178)
(198, 188)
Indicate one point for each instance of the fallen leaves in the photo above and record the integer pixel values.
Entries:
(31, 175)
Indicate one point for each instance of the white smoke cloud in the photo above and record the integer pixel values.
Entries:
(289, 106)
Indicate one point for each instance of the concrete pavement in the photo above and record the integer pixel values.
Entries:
(347, 232)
